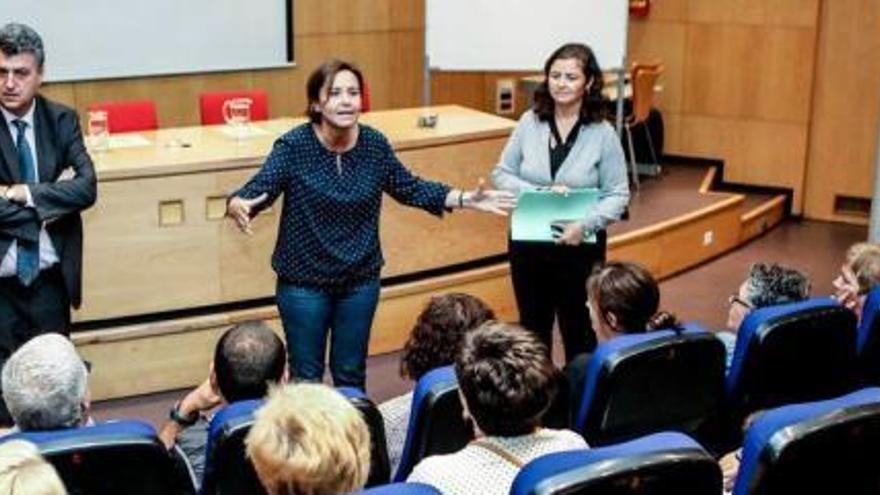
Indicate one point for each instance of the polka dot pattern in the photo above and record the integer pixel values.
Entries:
(329, 232)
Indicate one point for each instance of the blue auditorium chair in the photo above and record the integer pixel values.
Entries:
(227, 470)
(643, 383)
(401, 489)
(830, 446)
(662, 463)
(435, 423)
(380, 468)
(792, 353)
(868, 343)
(120, 457)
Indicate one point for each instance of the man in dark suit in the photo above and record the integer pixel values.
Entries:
(46, 179)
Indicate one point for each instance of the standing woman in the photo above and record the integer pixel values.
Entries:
(562, 143)
(332, 172)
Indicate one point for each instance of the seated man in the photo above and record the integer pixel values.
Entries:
(247, 359)
(45, 385)
(765, 285)
(309, 439)
(507, 382)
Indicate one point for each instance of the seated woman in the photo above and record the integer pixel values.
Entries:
(859, 273)
(622, 298)
(23, 471)
(434, 342)
(309, 439)
(506, 382)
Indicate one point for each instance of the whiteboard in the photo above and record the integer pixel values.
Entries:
(97, 39)
(519, 35)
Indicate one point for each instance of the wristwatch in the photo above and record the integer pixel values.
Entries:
(175, 415)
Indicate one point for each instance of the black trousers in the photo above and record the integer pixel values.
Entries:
(550, 283)
(26, 312)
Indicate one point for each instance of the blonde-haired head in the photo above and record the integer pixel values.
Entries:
(23, 471)
(309, 439)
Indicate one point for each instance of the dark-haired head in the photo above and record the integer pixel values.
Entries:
(593, 104)
(247, 358)
(506, 378)
(320, 81)
(436, 337)
(624, 298)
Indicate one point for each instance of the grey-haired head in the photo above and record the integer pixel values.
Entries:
(16, 39)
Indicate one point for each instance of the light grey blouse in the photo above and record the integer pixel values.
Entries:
(595, 161)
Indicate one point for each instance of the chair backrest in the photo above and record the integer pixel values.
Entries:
(656, 368)
(227, 469)
(123, 457)
(792, 353)
(667, 462)
(831, 446)
(380, 467)
(643, 78)
(211, 105)
(435, 422)
(366, 104)
(868, 343)
(401, 489)
(129, 116)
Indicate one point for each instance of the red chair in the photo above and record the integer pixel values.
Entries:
(211, 105)
(365, 98)
(129, 116)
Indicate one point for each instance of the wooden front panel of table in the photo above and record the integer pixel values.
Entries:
(156, 240)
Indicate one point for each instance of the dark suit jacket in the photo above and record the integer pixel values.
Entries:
(59, 144)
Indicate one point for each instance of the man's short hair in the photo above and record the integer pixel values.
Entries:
(769, 284)
(308, 438)
(506, 377)
(16, 39)
(248, 357)
(45, 384)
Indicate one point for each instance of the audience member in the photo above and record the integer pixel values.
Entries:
(859, 273)
(622, 298)
(247, 359)
(434, 342)
(23, 471)
(45, 385)
(507, 382)
(309, 439)
(767, 284)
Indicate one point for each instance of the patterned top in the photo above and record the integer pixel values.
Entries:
(476, 469)
(329, 233)
(395, 415)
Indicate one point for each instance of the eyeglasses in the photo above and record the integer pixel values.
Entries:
(735, 299)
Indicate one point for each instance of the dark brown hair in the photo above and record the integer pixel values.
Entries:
(593, 106)
(247, 359)
(436, 337)
(506, 377)
(631, 293)
(322, 78)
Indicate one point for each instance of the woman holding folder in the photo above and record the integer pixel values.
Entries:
(563, 143)
(332, 172)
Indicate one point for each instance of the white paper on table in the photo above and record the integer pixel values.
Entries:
(243, 132)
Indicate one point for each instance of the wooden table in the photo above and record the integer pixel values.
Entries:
(156, 241)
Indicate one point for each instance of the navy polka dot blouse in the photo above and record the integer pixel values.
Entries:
(329, 233)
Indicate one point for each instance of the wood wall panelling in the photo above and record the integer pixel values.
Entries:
(795, 13)
(664, 41)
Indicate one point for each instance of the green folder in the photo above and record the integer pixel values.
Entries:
(537, 210)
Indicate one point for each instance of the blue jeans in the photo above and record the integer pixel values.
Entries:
(307, 315)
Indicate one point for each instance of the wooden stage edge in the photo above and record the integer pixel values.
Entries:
(152, 357)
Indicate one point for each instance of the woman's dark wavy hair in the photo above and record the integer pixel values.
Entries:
(323, 77)
(630, 292)
(436, 337)
(593, 106)
(506, 378)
